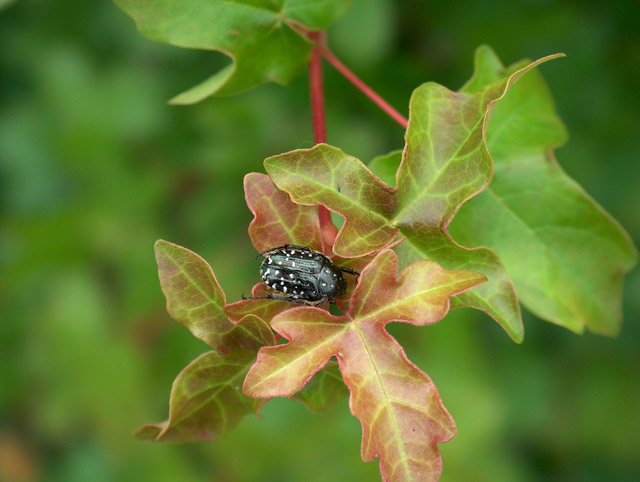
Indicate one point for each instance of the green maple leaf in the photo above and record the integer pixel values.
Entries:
(264, 38)
(402, 415)
(566, 255)
(445, 163)
(206, 399)
(326, 175)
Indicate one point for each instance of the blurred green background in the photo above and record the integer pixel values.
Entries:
(95, 166)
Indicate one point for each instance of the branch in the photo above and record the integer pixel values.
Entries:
(316, 91)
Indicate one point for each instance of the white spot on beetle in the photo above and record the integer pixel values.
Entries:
(284, 289)
(281, 283)
(293, 252)
(269, 260)
(323, 284)
(291, 275)
(293, 264)
(277, 272)
(280, 263)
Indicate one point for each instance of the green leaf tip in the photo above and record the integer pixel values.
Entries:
(205, 89)
(488, 67)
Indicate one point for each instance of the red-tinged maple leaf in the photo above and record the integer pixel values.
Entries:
(402, 416)
(444, 163)
(278, 221)
(206, 399)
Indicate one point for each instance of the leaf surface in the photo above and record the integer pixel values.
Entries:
(402, 426)
(194, 297)
(206, 398)
(566, 255)
(326, 175)
(278, 221)
(264, 38)
(444, 163)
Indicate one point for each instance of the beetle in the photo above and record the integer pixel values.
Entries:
(301, 275)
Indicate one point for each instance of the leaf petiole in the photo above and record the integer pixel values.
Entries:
(321, 46)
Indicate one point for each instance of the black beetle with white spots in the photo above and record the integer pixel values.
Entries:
(298, 274)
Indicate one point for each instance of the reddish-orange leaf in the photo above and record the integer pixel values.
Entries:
(402, 416)
(277, 220)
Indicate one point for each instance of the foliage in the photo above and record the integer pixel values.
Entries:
(206, 400)
(533, 215)
(447, 160)
(95, 168)
(265, 39)
(399, 407)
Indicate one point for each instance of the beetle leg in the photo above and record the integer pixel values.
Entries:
(350, 271)
(318, 303)
(290, 300)
(281, 298)
(255, 297)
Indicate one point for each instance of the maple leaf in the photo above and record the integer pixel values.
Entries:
(278, 221)
(566, 255)
(445, 162)
(265, 39)
(206, 399)
(534, 216)
(401, 412)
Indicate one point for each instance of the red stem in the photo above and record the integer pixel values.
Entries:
(319, 125)
(322, 48)
(316, 89)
